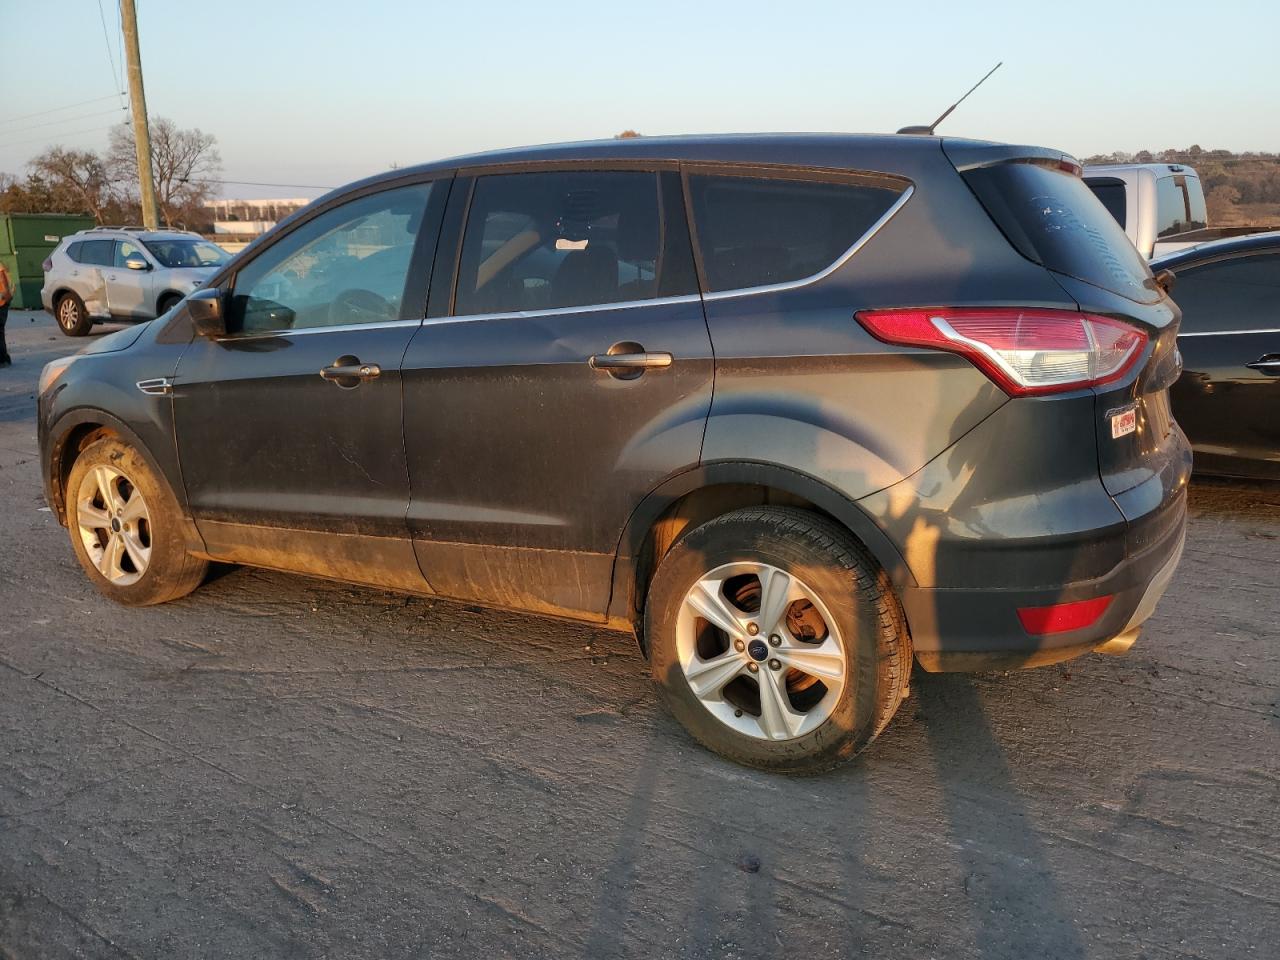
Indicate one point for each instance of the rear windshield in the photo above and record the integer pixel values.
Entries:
(1053, 218)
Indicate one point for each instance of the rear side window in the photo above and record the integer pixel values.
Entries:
(1112, 194)
(557, 240)
(756, 231)
(1238, 294)
(1179, 205)
(98, 253)
(1053, 218)
(73, 251)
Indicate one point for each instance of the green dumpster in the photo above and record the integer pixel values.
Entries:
(25, 240)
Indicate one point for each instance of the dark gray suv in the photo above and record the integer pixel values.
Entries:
(793, 409)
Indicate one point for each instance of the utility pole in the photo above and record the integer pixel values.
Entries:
(138, 103)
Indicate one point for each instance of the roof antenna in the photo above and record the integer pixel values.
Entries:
(928, 131)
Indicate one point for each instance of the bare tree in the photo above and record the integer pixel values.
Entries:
(73, 181)
(183, 162)
(627, 135)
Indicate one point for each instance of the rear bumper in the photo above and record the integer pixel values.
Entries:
(980, 630)
(966, 617)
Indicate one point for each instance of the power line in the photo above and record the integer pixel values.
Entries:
(69, 106)
(106, 35)
(54, 123)
(69, 133)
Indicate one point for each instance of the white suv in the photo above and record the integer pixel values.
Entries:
(123, 273)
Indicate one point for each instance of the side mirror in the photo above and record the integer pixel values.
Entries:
(205, 308)
(136, 262)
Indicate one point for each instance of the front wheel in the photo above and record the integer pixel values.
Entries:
(776, 640)
(125, 527)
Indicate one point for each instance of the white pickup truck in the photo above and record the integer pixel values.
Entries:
(1160, 205)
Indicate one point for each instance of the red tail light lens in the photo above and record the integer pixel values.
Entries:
(1025, 351)
(46, 264)
(1061, 617)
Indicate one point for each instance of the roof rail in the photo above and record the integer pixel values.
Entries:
(128, 229)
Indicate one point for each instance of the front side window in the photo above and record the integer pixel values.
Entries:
(349, 265)
(184, 252)
(1238, 294)
(543, 241)
(126, 249)
(756, 231)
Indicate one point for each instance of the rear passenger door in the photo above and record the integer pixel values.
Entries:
(1229, 392)
(88, 279)
(562, 376)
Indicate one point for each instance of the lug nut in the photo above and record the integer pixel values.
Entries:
(737, 713)
(739, 645)
(753, 667)
(775, 641)
(753, 628)
(775, 664)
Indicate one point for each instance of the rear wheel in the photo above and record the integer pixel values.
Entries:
(125, 527)
(73, 318)
(167, 303)
(776, 639)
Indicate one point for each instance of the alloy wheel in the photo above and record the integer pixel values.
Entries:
(114, 525)
(68, 314)
(760, 651)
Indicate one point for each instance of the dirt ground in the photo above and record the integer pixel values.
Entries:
(283, 767)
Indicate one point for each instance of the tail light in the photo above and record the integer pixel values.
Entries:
(1025, 351)
(46, 264)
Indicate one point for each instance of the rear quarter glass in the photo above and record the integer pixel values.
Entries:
(1053, 218)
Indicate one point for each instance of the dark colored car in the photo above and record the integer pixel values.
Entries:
(791, 408)
(1228, 397)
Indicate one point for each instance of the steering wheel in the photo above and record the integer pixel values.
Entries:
(360, 306)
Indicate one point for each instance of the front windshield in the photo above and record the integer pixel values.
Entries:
(187, 252)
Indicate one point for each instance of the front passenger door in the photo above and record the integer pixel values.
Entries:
(289, 427)
(129, 292)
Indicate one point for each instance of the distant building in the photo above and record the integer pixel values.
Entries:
(251, 217)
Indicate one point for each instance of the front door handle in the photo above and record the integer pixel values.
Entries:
(1268, 364)
(350, 372)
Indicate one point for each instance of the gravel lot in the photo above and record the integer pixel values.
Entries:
(283, 767)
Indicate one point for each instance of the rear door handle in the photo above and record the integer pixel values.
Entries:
(630, 361)
(1268, 364)
(350, 372)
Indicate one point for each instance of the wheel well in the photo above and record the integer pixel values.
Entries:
(173, 295)
(694, 509)
(68, 450)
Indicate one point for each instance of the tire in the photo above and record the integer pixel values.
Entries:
(859, 628)
(150, 563)
(73, 319)
(166, 303)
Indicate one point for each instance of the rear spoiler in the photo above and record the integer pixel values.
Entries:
(972, 154)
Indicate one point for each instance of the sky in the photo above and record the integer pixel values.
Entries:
(303, 96)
